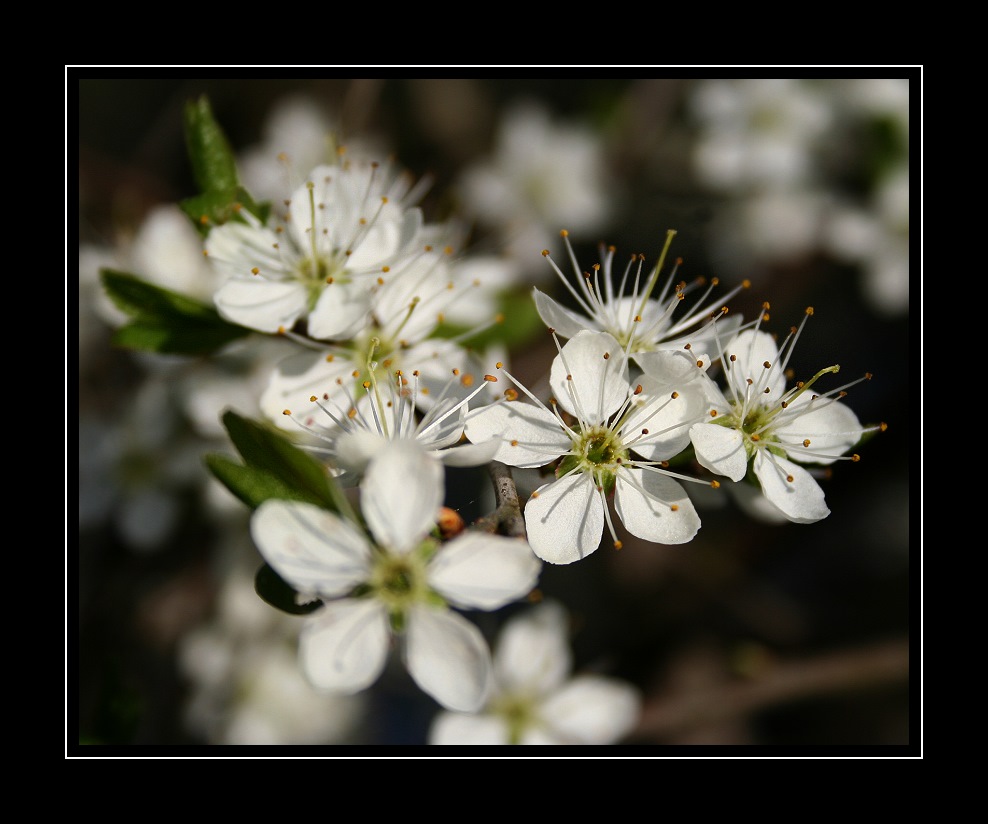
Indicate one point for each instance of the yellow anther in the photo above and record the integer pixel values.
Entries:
(809, 310)
(255, 271)
(674, 395)
(511, 394)
(490, 378)
(674, 507)
(638, 389)
(312, 399)
(806, 442)
(715, 484)
(618, 545)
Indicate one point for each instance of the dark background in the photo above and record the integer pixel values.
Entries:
(752, 634)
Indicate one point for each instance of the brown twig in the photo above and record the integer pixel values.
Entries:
(506, 518)
(844, 671)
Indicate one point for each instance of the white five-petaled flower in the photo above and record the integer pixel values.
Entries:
(535, 699)
(612, 420)
(347, 231)
(640, 322)
(759, 424)
(350, 436)
(398, 583)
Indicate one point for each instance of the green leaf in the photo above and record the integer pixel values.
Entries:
(266, 449)
(254, 486)
(172, 337)
(165, 321)
(213, 163)
(274, 590)
(220, 206)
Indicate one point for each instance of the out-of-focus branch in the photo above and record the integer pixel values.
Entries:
(885, 663)
(507, 518)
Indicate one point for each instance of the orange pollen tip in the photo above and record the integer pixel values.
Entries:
(766, 306)
(490, 378)
(789, 478)
(255, 271)
(352, 413)
(312, 399)
(713, 413)
(638, 389)
(499, 318)
(281, 330)
(674, 395)
(329, 279)
(784, 405)
(855, 458)
(756, 437)
(467, 380)
(448, 250)
(569, 377)
(733, 358)
(366, 384)
(688, 346)
(380, 281)
(715, 484)
(511, 394)
(883, 426)
(674, 507)
(385, 269)
(535, 494)
(428, 248)
(498, 365)
(204, 219)
(355, 373)
(809, 310)
(607, 355)
(699, 363)
(638, 318)
(514, 443)
(767, 365)
(330, 358)
(456, 371)
(545, 253)
(806, 442)
(287, 412)
(618, 545)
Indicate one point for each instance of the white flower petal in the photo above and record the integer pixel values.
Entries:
(568, 324)
(401, 495)
(469, 454)
(478, 571)
(666, 418)
(450, 728)
(528, 435)
(565, 519)
(754, 349)
(448, 658)
(341, 311)
(585, 382)
(801, 500)
(644, 502)
(298, 378)
(592, 709)
(312, 549)
(830, 426)
(261, 304)
(720, 449)
(533, 654)
(344, 646)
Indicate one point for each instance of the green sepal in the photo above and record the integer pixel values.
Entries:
(214, 165)
(274, 590)
(278, 464)
(166, 321)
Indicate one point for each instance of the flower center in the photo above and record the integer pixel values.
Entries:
(399, 581)
(518, 712)
(597, 450)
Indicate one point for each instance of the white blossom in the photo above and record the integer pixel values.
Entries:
(347, 231)
(759, 429)
(641, 320)
(614, 420)
(397, 582)
(536, 699)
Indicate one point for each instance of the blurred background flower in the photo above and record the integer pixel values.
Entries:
(756, 632)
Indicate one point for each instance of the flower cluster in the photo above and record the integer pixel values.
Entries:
(656, 390)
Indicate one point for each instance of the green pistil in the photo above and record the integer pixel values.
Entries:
(399, 582)
(518, 713)
(599, 452)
